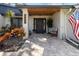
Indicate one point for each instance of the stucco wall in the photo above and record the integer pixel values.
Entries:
(69, 29)
(62, 23)
(7, 20)
(2, 21)
(65, 26)
(37, 16)
(56, 21)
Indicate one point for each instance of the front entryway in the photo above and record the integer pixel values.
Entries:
(40, 25)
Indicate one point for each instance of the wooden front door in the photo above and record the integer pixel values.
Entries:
(40, 25)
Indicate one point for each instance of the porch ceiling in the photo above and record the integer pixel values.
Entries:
(43, 11)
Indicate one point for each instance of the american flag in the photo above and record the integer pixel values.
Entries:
(74, 20)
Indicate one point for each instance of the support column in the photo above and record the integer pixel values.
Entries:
(25, 23)
(62, 24)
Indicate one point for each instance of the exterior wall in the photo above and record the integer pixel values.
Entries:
(2, 21)
(7, 21)
(63, 22)
(65, 26)
(70, 33)
(69, 29)
(56, 21)
(60, 20)
(30, 21)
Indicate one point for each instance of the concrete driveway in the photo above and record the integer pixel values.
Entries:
(44, 45)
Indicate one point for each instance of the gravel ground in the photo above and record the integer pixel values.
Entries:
(12, 44)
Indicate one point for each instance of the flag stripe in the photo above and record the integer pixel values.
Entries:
(74, 20)
(71, 19)
(76, 27)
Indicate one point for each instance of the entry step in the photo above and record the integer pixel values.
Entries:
(73, 42)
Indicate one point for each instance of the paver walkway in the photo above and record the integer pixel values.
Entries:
(44, 45)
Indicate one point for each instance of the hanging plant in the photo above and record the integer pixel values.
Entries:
(50, 22)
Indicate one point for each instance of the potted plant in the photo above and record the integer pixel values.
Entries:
(49, 23)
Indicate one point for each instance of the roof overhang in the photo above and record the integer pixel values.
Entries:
(45, 6)
(4, 9)
(44, 9)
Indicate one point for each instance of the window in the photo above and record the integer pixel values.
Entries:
(16, 21)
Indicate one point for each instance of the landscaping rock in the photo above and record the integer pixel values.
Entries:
(12, 44)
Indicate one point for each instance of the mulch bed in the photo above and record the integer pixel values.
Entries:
(12, 44)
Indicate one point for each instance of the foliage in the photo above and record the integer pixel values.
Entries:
(50, 22)
(9, 13)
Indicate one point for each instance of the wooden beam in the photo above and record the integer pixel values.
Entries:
(42, 11)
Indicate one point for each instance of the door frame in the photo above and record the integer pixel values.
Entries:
(34, 24)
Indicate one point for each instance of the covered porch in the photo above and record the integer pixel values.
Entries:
(35, 19)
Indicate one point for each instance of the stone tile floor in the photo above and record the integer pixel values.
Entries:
(44, 45)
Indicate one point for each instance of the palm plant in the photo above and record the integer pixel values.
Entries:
(9, 13)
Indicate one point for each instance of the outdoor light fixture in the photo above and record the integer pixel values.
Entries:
(25, 18)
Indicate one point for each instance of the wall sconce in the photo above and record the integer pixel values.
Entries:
(24, 18)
